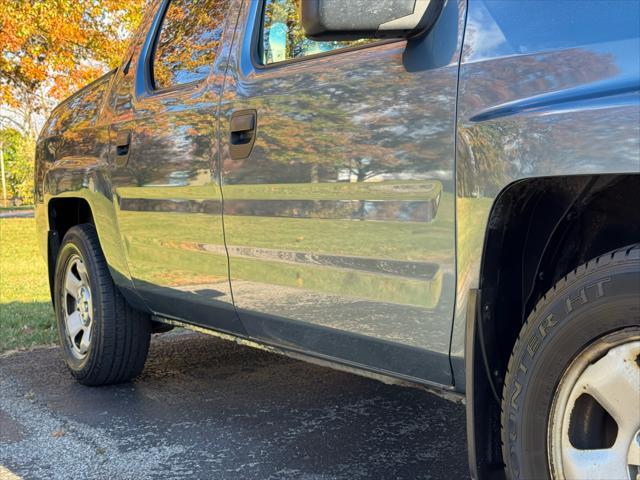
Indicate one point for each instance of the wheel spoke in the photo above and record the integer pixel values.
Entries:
(85, 341)
(74, 324)
(602, 464)
(72, 284)
(614, 381)
(634, 451)
(82, 271)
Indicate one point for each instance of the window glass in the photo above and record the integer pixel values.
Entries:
(283, 37)
(188, 40)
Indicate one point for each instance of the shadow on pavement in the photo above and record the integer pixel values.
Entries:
(205, 408)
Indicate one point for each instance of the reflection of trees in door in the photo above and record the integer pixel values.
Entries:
(283, 37)
(340, 134)
(494, 152)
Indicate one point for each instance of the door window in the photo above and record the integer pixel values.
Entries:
(187, 42)
(283, 37)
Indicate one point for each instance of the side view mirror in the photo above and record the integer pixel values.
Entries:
(328, 20)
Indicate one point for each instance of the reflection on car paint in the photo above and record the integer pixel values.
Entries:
(533, 102)
(399, 211)
(355, 229)
(345, 167)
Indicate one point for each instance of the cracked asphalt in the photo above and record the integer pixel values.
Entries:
(206, 408)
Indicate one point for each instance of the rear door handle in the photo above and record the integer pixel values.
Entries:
(122, 146)
(123, 142)
(242, 135)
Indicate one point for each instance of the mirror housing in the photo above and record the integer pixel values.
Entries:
(328, 20)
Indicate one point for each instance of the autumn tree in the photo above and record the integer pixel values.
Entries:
(17, 153)
(50, 48)
(189, 41)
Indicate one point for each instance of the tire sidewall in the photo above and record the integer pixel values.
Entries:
(594, 305)
(76, 243)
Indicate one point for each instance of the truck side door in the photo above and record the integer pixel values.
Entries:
(338, 179)
(164, 149)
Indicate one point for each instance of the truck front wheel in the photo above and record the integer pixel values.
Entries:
(103, 339)
(571, 400)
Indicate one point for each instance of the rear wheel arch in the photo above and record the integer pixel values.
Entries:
(66, 212)
(62, 214)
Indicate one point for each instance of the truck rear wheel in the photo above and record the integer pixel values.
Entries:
(103, 339)
(571, 400)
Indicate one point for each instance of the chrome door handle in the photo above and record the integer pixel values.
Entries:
(242, 134)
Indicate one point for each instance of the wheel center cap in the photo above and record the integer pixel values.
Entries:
(83, 306)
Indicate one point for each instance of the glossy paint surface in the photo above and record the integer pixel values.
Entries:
(169, 203)
(546, 88)
(342, 217)
(72, 161)
(354, 230)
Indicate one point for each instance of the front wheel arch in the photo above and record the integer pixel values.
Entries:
(595, 302)
(521, 232)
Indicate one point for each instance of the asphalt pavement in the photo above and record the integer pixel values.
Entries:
(207, 408)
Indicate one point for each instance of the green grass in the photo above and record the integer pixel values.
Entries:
(388, 190)
(150, 239)
(26, 316)
(398, 240)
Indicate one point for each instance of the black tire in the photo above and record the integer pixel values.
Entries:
(120, 335)
(596, 299)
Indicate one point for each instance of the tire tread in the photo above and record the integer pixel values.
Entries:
(619, 255)
(124, 337)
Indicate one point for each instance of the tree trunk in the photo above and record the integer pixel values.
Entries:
(4, 181)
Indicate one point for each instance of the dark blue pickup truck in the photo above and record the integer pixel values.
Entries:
(439, 193)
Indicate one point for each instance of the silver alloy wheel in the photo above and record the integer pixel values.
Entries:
(77, 307)
(594, 426)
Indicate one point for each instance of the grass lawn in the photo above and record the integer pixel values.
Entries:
(26, 316)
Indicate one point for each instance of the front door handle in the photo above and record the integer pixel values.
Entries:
(242, 135)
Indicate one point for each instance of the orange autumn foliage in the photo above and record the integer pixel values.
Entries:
(52, 47)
